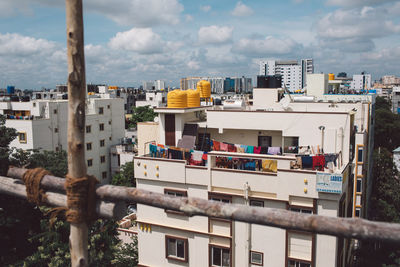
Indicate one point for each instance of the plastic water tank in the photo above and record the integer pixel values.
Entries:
(193, 98)
(204, 87)
(331, 76)
(177, 99)
(10, 89)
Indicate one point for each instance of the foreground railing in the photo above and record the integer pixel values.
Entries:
(110, 199)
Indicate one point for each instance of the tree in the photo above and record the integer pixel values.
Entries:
(141, 114)
(7, 135)
(126, 177)
(53, 248)
(127, 254)
(384, 206)
(54, 162)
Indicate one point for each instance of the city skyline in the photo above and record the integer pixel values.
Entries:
(135, 40)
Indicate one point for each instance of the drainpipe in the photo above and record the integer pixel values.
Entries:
(246, 190)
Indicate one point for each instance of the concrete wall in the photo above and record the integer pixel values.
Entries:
(147, 132)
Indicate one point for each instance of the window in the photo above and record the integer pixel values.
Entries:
(256, 258)
(358, 212)
(296, 263)
(175, 193)
(109, 122)
(104, 175)
(88, 146)
(360, 154)
(89, 162)
(108, 106)
(359, 185)
(220, 256)
(22, 137)
(109, 138)
(290, 144)
(56, 130)
(220, 198)
(301, 210)
(102, 142)
(88, 128)
(101, 126)
(176, 248)
(256, 203)
(102, 159)
(101, 110)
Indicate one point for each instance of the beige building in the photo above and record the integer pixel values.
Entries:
(169, 238)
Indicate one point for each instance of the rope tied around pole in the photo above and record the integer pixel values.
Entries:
(81, 198)
(32, 179)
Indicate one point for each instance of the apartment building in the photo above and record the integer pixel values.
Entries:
(293, 74)
(361, 81)
(396, 100)
(327, 127)
(42, 124)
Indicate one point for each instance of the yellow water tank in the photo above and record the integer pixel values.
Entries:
(331, 76)
(205, 88)
(177, 99)
(193, 98)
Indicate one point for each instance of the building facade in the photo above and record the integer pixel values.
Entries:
(361, 81)
(341, 129)
(293, 74)
(42, 124)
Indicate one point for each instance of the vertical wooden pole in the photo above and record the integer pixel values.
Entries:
(78, 239)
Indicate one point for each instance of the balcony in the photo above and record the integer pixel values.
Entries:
(279, 184)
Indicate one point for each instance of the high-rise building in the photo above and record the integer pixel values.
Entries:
(220, 85)
(361, 81)
(293, 74)
(159, 85)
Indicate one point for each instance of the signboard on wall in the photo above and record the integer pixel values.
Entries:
(329, 182)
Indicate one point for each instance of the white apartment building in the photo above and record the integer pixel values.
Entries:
(169, 238)
(361, 82)
(42, 124)
(293, 73)
(154, 99)
(154, 85)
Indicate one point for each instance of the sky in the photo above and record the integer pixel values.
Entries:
(131, 41)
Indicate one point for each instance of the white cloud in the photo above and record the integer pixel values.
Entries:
(138, 13)
(140, 40)
(241, 10)
(215, 34)
(188, 18)
(268, 46)
(355, 29)
(18, 45)
(205, 8)
(355, 3)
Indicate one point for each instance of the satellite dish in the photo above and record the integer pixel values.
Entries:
(285, 102)
(155, 119)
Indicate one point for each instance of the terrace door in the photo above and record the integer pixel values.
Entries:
(265, 141)
(170, 129)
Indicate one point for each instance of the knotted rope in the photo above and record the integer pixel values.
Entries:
(32, 179)
(81, 195)
(81, 198)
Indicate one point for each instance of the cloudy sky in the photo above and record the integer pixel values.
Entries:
(130, 41)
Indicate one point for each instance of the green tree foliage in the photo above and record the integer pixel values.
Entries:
(53, 248)
(384, 204)
(55, 162)
(127, 254)
(141, 114)
(387, 125)
(126, 177)
(6, 137)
